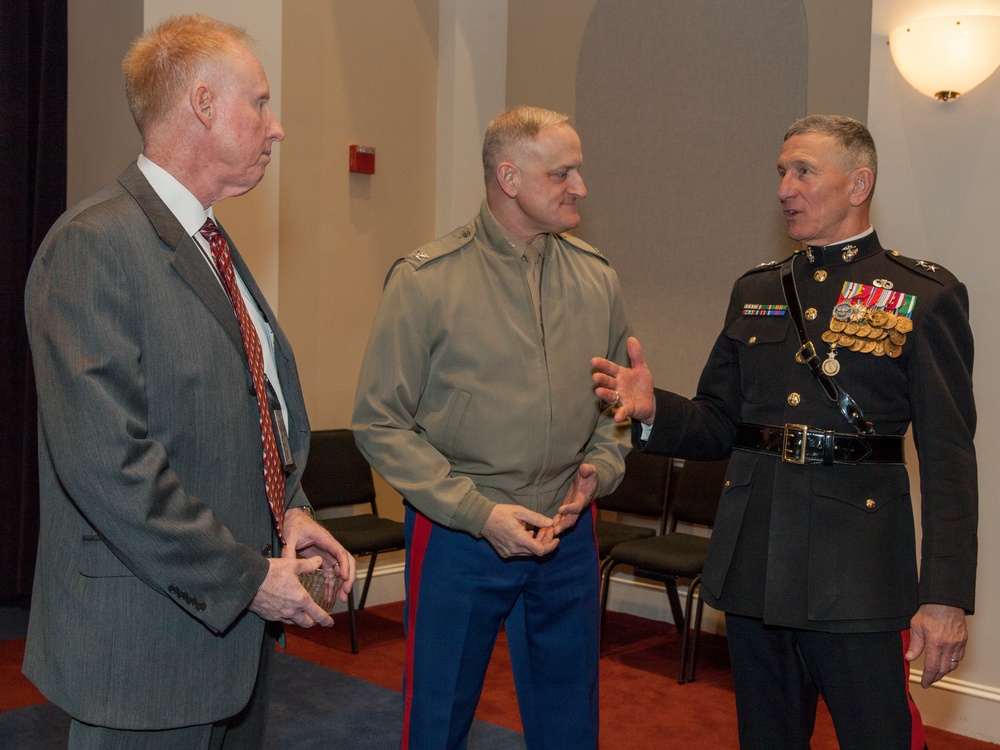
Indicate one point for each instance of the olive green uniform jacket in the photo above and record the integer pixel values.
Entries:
(466, 399)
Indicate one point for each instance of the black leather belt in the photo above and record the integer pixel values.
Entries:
(802, 444)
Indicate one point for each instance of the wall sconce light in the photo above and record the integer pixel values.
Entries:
(947, 57)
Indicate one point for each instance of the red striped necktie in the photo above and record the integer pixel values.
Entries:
(274, 475)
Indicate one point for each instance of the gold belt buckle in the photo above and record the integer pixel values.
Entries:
(805, 353)
(789, 454)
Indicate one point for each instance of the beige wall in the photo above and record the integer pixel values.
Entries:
(366, 74)
(472, 50)
(542, 52)
(938, 184)
(101, 138)
(353, 73)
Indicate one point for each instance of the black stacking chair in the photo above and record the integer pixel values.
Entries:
(337, 475)
(694, 500)
(642, 493)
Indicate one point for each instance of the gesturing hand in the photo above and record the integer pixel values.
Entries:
(630, 389)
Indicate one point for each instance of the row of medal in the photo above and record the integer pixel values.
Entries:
(861, 324)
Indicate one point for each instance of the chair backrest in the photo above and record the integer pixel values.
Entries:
(643, 489)
(336, 473)
(695, 498)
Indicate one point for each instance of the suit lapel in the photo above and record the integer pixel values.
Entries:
(188, 259)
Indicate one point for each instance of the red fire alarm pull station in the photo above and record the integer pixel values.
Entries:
(363, 159)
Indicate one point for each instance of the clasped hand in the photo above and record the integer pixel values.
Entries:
(516, 531)
(281, 596)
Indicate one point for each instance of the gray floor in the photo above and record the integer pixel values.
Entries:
(13, 619)
(312, 708)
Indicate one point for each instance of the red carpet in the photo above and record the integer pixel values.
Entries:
(15, 689)
(642, 706)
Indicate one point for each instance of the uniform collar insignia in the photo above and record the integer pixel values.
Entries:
(421, 255)
(928, 266)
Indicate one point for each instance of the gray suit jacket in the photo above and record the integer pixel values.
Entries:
(154, 520)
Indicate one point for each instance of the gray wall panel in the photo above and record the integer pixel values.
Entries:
(681, 108)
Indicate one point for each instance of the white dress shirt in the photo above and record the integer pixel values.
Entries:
(190, 213)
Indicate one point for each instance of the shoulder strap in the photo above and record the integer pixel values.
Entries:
(807, 355)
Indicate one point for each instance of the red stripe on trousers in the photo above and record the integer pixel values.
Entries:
(918, 740)
(593, 518)
(418, 546)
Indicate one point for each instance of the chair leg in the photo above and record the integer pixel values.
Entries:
(607, 567)
(675, 605)
(600, 572)
(368, 580)
(682, 677)
(353, 621)
(697, 628)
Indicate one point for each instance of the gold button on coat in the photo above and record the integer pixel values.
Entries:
(820, 275)
(870, 503)
(811, 313)
(794, 399)
(752, 341)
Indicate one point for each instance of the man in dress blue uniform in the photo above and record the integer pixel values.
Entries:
(813, 554)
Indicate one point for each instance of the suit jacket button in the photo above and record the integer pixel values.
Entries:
(266, 550)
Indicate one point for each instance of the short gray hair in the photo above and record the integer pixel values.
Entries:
(513, 127)
(852, 136)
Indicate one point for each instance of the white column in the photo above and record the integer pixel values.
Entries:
(472, 77)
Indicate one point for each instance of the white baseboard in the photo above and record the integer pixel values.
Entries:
(957, 706)
(644, 598)
(964, 708)
(386, 586)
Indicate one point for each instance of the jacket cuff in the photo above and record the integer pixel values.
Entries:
(472, 514)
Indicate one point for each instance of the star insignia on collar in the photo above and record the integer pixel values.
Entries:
(929, 266)
(421, 255)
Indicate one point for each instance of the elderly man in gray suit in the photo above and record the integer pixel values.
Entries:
(172, 428)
